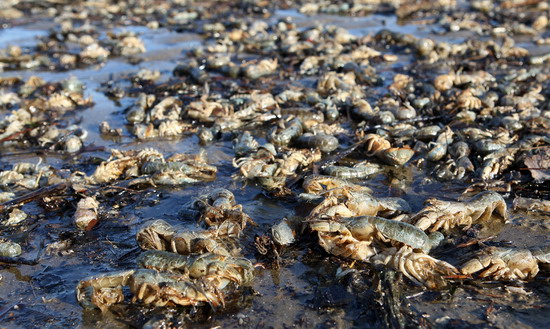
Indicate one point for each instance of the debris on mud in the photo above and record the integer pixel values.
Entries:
(317, 164)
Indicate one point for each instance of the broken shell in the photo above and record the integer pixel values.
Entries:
(16, 216)
(85, 216)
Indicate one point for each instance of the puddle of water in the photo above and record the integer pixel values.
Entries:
(20, 36)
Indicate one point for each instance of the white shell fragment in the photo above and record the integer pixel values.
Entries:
(16, 216)
(282, 233)
(9, 249)
(86, 213)
(6, 196)
(73, 144)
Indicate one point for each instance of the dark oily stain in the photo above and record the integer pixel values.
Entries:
(47, 281)
(333, 296)
(37, 318)
(460, 324)
(396, 311)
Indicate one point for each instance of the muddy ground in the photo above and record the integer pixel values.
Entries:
(304, 291)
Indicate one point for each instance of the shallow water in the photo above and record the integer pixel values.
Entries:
(303, 293)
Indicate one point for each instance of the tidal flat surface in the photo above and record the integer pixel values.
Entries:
(306, 287)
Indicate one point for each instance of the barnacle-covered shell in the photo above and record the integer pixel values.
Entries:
(9, 248)
(282, 233)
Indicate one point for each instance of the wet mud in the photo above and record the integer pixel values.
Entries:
(303, 286)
